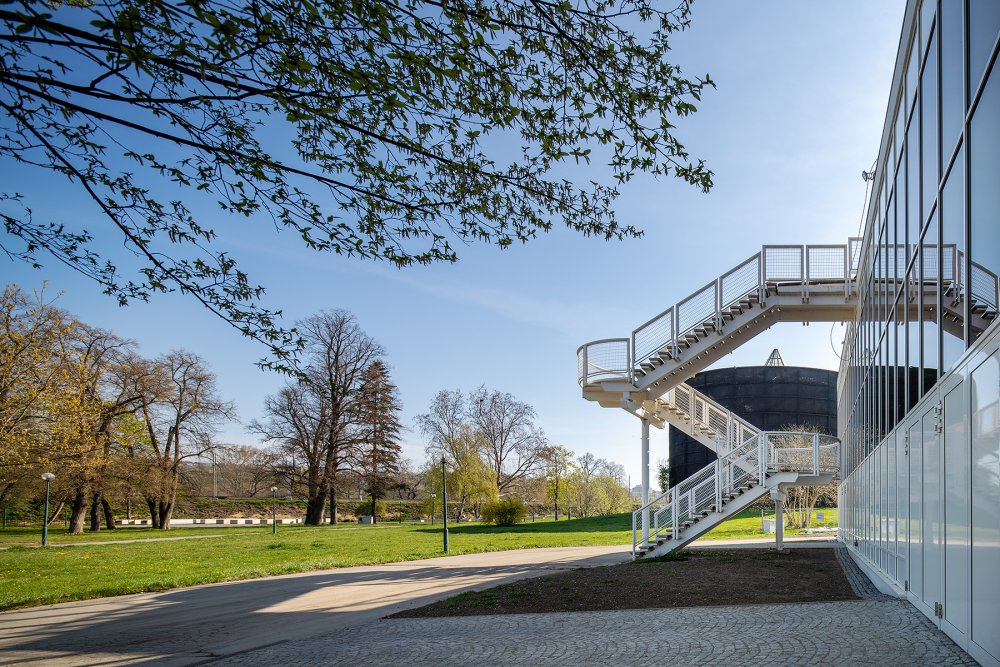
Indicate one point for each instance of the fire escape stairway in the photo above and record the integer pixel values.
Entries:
(692, 412)
(769, 461)
(812, 283)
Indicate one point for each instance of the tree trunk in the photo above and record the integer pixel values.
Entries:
(315, 509)
(333, 503)
(109, 516)
(95, 511)
(79, 511)
(154, 512)
(166, 511)
(373, 508)
(55, 513)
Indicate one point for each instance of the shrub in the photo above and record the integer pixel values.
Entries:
(364, 508)
(504, 512)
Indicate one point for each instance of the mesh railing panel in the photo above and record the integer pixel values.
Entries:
(929, 261)
(782, 263)
(682, 398)
(696, 309)
(718, 420)
(606, 360)
(742, 280)
(854, 250)
(654, 335)
(829, 457)
(983, 287)
(826, 263)
(949, 257)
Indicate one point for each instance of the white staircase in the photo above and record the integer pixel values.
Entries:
(692, 412)
(645, 373)
(769, 461)
(812, 283)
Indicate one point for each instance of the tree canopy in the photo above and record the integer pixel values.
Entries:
(389, 130)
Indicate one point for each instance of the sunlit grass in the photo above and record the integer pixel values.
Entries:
(748, 524)
(33, 576)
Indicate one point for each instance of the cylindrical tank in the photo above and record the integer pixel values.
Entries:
(769, 397)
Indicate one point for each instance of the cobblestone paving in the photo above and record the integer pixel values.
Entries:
(882, 631)
(860, 583)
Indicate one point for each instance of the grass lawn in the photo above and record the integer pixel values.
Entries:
(32, 535)
(748, 524)
(33, 576)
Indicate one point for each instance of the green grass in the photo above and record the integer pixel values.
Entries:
(33, 576)
(32, 535)
(747, 524)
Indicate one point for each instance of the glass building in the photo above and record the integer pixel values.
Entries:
(919, 388)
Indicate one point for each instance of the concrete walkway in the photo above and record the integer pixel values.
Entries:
(192, 625)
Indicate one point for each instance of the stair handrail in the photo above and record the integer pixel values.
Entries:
(733, 429)
(768, 451)
(773, 264)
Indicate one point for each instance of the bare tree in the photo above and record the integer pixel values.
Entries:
(319, 418)
(297, 420)
(180, 408)
(513, 444)
(244, 471)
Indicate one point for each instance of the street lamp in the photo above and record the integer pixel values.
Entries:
(433, 506)
(274, 510)
(48, 477)
(444, 503)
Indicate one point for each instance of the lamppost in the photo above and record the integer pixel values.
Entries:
(274, 510)
(433, 506)
(444, 503)
(48, 477)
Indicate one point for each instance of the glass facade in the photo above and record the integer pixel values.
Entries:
(928, 283)
(919, 389)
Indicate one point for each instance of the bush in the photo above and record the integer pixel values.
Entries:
(364, 508)
(504, 512)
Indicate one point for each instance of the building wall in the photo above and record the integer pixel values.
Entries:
(769, 397)
(919, 391)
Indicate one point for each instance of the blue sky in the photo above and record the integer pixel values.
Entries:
(802, 89)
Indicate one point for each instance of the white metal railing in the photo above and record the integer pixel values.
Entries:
(617, 358)
(745, 465)
(729, 429)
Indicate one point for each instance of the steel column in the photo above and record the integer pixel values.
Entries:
(645, 480)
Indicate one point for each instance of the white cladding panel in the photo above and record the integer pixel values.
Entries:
(986, 504)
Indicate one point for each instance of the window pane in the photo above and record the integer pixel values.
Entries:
(953, 259)
(927, 8)
(913, 180)
(912, 67)
(952, 104)
(984, 22)
(930, 329)
(929, 116)
(985, 212)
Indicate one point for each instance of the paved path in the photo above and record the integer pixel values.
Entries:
(860, 632)
(191, 625)
(333, 618)
(794, 541)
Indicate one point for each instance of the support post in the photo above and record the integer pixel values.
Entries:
(645, 480)
(779, 518)
(444, 503)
